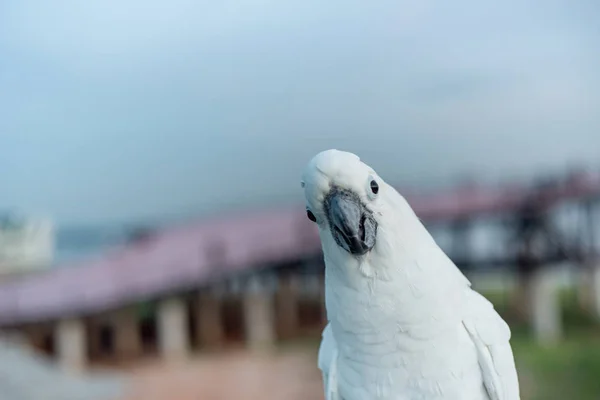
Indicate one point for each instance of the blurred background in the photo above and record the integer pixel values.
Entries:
(153, 238)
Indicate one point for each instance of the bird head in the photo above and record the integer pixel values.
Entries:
(341, 194)
(359, 216)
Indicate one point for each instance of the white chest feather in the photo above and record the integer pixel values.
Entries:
(401, 342)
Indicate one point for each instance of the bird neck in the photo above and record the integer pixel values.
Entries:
(411, 291)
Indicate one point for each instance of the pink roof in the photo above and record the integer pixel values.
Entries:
(171, 260)
(181, 257)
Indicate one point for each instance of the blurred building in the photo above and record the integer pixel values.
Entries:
(26, 244)
(254, 278)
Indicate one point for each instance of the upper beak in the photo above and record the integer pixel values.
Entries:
(352, 225)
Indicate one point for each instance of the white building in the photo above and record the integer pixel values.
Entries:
(26, 244)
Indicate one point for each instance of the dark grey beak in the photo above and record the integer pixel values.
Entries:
(352, 224)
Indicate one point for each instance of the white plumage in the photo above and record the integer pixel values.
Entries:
(404, 323)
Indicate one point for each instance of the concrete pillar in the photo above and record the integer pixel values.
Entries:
(545, 307)
(258, 314)
(173, 334)
(594, 289)
(71, 344)
(209, 321)
(588, 289)
(287, 305)
(128, 343)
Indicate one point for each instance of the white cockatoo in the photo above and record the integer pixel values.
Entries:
(403, 321)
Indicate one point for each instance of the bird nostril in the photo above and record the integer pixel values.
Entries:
(361, 227)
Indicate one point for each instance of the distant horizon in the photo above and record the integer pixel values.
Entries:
(185, 215)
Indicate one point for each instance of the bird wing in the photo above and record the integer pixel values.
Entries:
(491, 336)
(328, 354)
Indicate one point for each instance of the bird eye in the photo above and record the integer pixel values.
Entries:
(374, 186)
(311, 216)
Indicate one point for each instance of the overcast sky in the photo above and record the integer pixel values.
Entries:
(126, 109)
